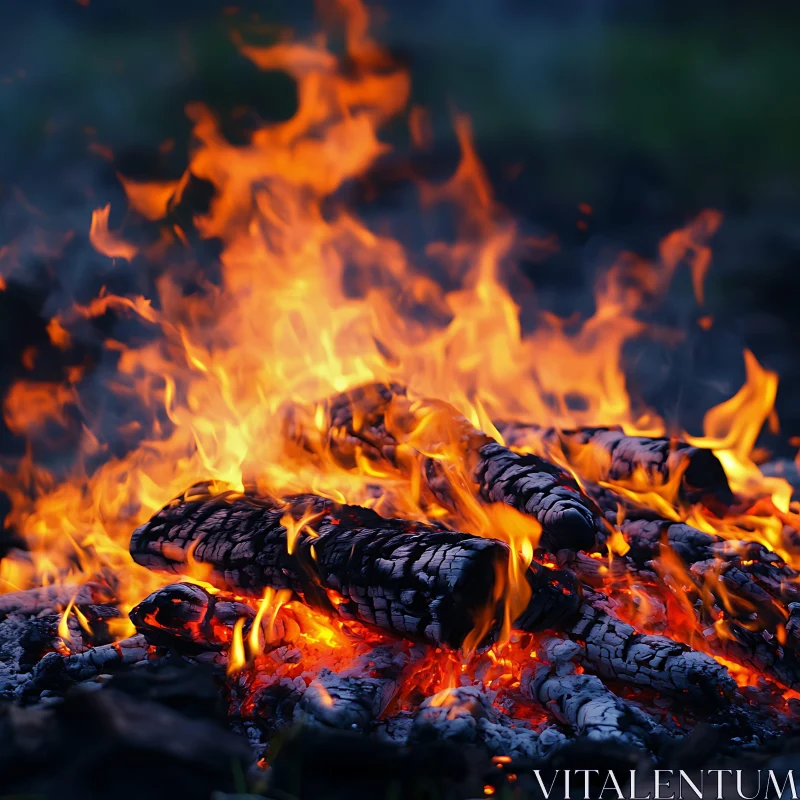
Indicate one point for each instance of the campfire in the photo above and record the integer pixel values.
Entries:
(355, 482)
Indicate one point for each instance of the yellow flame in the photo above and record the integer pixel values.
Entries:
(236, 656)
(63, 623)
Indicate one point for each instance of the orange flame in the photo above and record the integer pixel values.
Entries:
(311, 301)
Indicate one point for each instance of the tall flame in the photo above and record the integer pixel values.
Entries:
(307, 300)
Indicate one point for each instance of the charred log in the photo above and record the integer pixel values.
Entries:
(540, 489)
(753, 649)
(53, 599)
(23, 642)
(56, 672)
(582, 701)
(740, 604)
(187, 616)
(748, 568)
(413, 580)
(646, 537)
(355, 697)
(619, 458)
(614, 650)
(465, 715)
(749, 582)
(381, 424)
(555, 600)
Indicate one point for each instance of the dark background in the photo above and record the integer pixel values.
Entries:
(647, 110)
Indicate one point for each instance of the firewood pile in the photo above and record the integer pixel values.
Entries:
(284, 524)
(314, 618)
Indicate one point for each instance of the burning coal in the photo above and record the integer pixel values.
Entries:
(372, 500)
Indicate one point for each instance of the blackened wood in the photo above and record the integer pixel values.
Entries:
(190, 617)
(56, 672)
(355, 697)
(53, 599)
(617, 457)
(23, 642)
(555, 600)
(378, 423)
(540, 489)
(748, 568)
(466, 715)
(614, 650)
(762, 654)
(97, 660)
(452, 714)
(646, 537)
(756, 580)
(740, 585)
(737, 590)
(413, 580)
(582, 701)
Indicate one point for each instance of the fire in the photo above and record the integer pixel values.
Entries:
(236, 654)
(308, 300)
(106, 242)
(268, 609)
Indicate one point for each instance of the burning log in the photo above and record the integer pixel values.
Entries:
(466, 715)
(97, 660)
(355, 697)
(751, 648)
(189, 617)
(379, 423)
(452, 714)
(615, 651)
(555, 600)
(613, 456)
(761, 580)
(406, 566)
(413, 580)
(645, 538)
(536, 487)
(56, 672)
(740, 605)
(53, 599)
(581, 701)
(748, 581)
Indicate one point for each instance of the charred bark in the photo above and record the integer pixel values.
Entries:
(751, 648)
(540, 489)
(619, 458)
(380, 424)
(748, 597)
(749, 582)
(614, 650)
(354, 698)
(465, 715)
(187, 617)
(410, 579)
(582, 701)
(53, 599)
(56, 672)
(555, 600)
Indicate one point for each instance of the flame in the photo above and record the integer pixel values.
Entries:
(63, 626)
(308, 300)
(732, 427)
(106, 242)
(236, 656)
(294, 527)
(270, 605)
